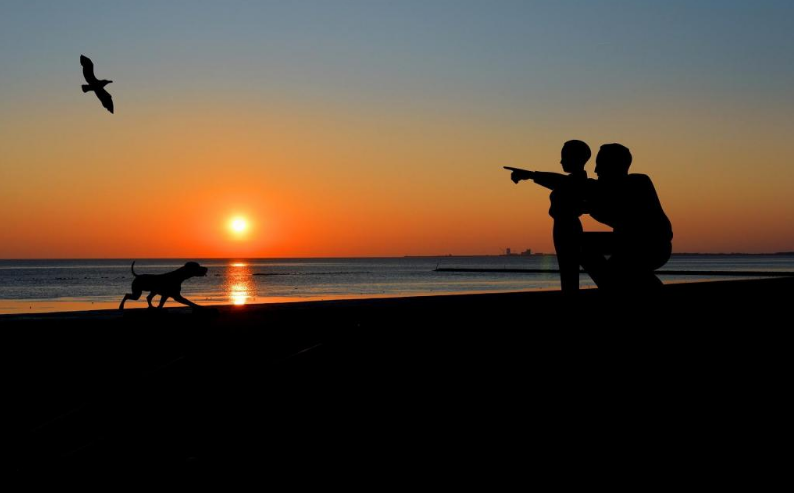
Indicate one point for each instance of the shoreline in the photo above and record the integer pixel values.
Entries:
(277, 301)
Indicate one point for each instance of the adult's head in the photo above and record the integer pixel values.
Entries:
(612, 162)
(574, 156)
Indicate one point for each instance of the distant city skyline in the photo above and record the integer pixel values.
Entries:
(375, 128)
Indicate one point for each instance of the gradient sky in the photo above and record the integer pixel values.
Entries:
(376, 128)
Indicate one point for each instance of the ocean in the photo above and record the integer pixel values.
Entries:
(32, 286)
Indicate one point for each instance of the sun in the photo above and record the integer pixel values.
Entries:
(238, 225)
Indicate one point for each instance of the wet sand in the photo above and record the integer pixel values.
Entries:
(446, 383)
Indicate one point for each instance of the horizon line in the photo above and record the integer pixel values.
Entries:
(539, 254)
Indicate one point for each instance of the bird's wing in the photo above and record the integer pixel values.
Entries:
(107, 100)
(88, 69)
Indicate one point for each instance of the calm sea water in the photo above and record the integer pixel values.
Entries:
(28, 286)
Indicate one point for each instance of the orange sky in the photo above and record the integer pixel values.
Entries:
(334, 141)
(338, 183)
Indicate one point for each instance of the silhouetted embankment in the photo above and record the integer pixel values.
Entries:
(478, 381)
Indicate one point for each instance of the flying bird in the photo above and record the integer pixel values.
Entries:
(98, 86)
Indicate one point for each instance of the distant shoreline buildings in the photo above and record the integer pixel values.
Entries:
(509, 253)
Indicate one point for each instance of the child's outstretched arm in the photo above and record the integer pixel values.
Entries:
(519, 174)
(542, 178)
(549, 180)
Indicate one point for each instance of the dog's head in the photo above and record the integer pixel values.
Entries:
(193, 269)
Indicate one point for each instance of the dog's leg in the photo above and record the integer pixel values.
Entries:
(150, 298)
(130, 296)
(185, 301)
(162, 300)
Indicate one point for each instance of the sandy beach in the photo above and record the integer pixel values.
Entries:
(403, 381)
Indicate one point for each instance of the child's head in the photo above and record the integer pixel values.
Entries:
(574, 156)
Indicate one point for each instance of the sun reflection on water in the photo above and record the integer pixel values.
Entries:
(240, 286)
(239, 295)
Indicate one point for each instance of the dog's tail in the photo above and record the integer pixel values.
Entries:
(132, 268)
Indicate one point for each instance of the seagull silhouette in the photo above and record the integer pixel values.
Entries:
(98, 86)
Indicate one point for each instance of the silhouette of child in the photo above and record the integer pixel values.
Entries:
(568, 203)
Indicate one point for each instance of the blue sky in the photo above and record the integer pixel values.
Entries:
(505, 52)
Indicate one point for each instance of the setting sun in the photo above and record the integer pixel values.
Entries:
(239, 225)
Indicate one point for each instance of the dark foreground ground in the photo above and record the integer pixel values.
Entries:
(500, 387)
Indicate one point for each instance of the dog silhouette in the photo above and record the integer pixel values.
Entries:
(168, 285)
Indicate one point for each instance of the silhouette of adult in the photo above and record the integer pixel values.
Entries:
(641, 240)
